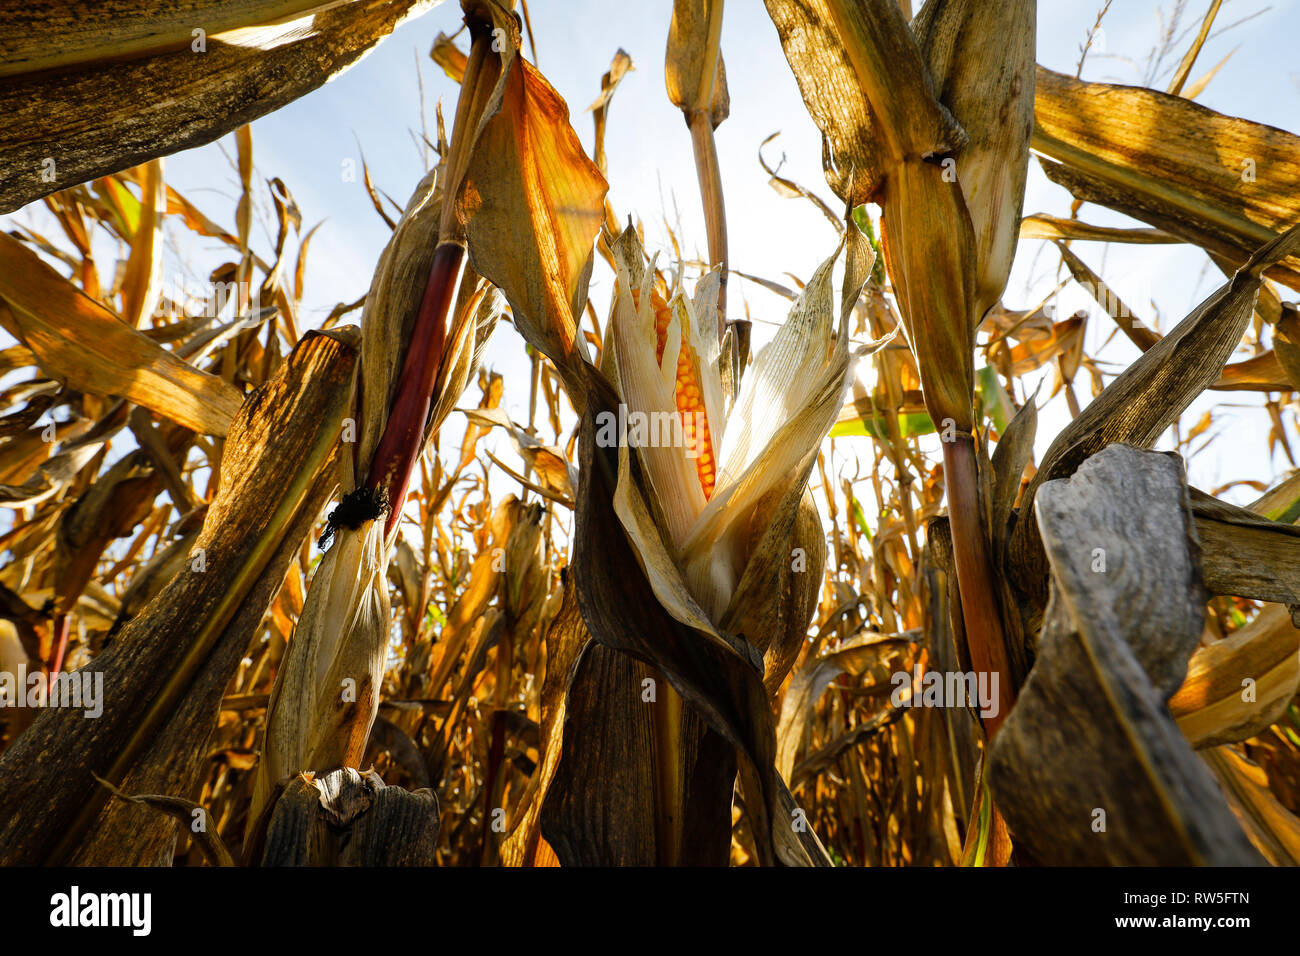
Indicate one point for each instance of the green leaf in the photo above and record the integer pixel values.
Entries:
(122, 203)
(863, 222)
(909, 426)
(993, 398)
(860, 517)
(434, 613)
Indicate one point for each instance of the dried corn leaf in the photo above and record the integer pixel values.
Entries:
(1014, 451)
(188, 813)
(449, 56)
(88, 121)
(1089, 768)
(1064, 339)
(77, 339)
(1246, 554)
(52, 476)
(532, 203)
(1217, 181)
(165, 675)
(43, 35)
(1042, 226)
(566, 636)
(1150, 394)
(864, 82)
(1110, 303)
(1237, 687)
(856, 656)
(1273, 828)
(142, 283)
(980, 55)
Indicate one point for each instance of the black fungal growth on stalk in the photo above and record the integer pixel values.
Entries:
(355, 509)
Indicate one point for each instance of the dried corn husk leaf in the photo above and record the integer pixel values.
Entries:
(166, 672)
(1217, 181)
(70, 127)
(531, 202)
(426, 307)
(693, 69)
(1089, 768)
(929, 247)
(552, 466)
(1239, 686)
(390, 313)
(1273, 828)
(981, 59)
(775, 599)
(326, 692)
(821, 66)
(655, 556)
(77, 339)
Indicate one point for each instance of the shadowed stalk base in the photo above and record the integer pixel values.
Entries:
(670, 802)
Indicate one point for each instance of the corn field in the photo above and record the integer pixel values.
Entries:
(799, 589)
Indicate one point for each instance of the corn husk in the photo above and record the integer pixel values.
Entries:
(981, 59)
(531, 201)
(327, 692)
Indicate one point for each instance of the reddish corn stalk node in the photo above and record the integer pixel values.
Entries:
(399, 447)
